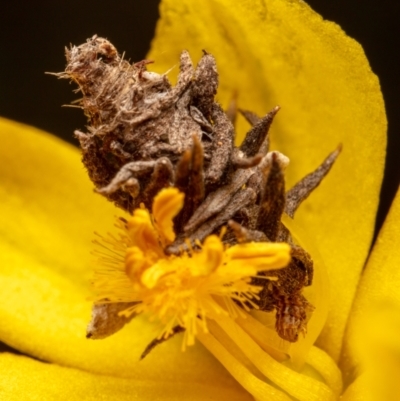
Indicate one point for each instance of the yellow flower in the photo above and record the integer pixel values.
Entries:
(269, 52)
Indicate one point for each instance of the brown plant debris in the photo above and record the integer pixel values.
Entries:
(145, 134)
(175, 330)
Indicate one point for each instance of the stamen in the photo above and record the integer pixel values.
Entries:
(258, 388)
(288, 380)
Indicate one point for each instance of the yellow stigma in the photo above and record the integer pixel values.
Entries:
(207, 281)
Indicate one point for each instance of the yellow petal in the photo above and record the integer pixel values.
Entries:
(281, 52)
(372, 339)
(358, 390)
(48, 215)
(37, 381)
(48, 208)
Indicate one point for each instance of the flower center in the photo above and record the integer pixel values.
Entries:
(206, 281)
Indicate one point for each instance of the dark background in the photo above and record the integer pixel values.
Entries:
(33, 34)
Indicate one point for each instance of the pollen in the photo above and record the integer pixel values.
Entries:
(204, 282)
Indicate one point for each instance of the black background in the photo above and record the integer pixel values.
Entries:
(33, 33)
